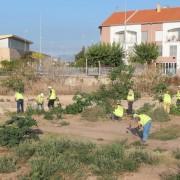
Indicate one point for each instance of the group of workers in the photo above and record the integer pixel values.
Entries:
(143, 120)
(40, 99)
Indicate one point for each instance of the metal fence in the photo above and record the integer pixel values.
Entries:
(74, 71)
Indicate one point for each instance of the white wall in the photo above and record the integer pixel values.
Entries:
(166, 44)
(135, 28)
(4, 43)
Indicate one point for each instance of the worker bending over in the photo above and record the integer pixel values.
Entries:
(167, 102)
(40, 101)
(19, 101)
(144, 121)
(130, 99)
(51, 98)
(118, 111)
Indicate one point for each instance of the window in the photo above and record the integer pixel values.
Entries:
(173, 51)
(144, 36)
(160, 50)
(121, 37)
(159, 36)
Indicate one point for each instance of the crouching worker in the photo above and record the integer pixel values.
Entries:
(118, 111)
(144, 121)
(40, 102)
(20, 101)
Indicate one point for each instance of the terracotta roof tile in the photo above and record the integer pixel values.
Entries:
(144, 17)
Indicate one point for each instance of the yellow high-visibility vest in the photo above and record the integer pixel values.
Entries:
(18, 96)
(130, 96)
(119, 111)
(167, 98)
(52, 94)
(178, 95)
(144, 119)
(40, 99)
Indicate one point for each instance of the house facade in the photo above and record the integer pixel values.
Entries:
(13, 47)
(160, 26)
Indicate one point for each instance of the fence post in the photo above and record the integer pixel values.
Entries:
(99, 73)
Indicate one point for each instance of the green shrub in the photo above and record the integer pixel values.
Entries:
(160, 115)
(64, 123)
(7, 164)
(146, 109)
(176, 153)
(25, 150)
(31, 111)
(175, 110)
(172, 176)
(94, 114)
(169, 133)
(16, 130)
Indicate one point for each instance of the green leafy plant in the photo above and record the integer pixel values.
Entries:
(16, 130)
(7, 164)
(145, 53)
(175, 110)
(169, 133)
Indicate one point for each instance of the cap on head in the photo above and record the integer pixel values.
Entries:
(42, 95)
(49, 87)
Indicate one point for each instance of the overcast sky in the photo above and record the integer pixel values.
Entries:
(67, 25)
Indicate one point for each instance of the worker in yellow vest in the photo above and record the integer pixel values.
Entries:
(144, 121)
(20, 101)
(178, 98)
(167, 102)
(52, 97)
(40, 101)
(130, 99)
(118, 111)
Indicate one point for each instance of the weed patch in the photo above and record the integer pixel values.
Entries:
(175, 110)
(176, 153)
(169, 133)
(7, 164)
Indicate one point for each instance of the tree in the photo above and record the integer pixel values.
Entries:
(80, 59)
(107, 54)
(145, 53)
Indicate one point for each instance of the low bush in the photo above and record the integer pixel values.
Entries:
(16, 130)
(146, 109)
(176, 153)
(7, 164)
(169, 133)
(68, 159)
(94, 114)
(64, 123)
(160, 115)
(174, 176)
(175, 110)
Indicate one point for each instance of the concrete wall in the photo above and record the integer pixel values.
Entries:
(4, 43)
(4, 54)
(105, 34)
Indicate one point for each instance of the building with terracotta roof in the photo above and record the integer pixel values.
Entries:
(160, 25)
(13, 47)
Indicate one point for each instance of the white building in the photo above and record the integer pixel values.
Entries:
(13, 47)
(160, 25)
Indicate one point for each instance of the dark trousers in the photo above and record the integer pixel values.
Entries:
(51, 103)
(20, 105)
(130, 107)
(178, 103)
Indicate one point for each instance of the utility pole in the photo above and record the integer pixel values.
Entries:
(40, 42)
(125, 31)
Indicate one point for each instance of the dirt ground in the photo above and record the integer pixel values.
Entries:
(100, 132)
